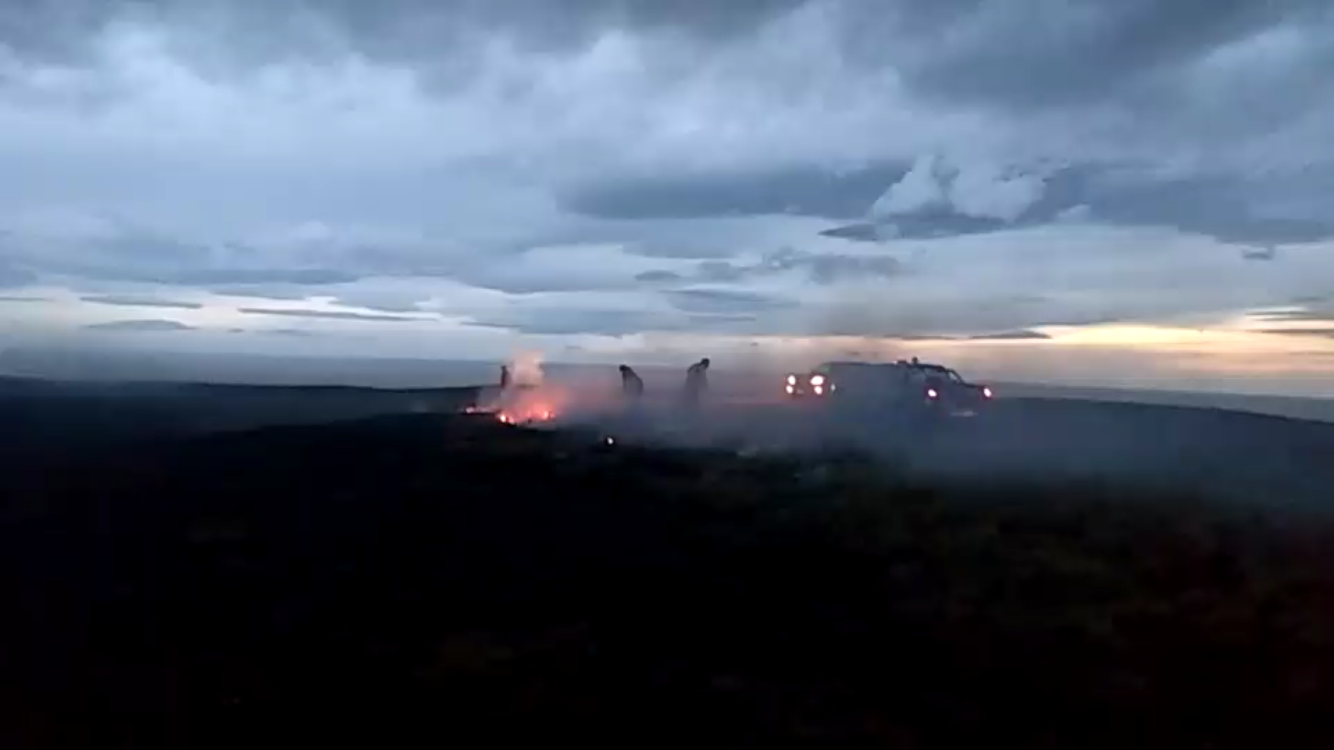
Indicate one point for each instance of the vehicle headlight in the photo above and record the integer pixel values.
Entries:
(791, 379)
(817, 380)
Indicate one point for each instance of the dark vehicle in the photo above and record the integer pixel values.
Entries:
(938, 391)
(863, 381)
(917, 388)
(818, 383)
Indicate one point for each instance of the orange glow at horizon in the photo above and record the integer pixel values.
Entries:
(1142, 337)
(1230, 356)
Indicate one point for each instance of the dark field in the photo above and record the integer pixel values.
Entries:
(417, 579)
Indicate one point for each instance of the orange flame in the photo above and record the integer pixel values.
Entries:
(526, 414)
(520, 405)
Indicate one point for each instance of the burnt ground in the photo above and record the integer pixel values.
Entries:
(421, 579)
(1256, 459)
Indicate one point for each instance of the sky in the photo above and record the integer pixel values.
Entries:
(1097, 191)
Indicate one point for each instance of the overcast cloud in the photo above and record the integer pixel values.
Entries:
(147, 325)
(589, 172)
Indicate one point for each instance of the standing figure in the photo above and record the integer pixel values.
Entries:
(504, 377)
(697, 382)
(632, 386)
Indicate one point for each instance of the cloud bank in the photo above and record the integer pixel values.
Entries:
(602, 171)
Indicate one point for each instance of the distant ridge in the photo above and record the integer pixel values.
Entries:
(407, 373)
(1300, 407)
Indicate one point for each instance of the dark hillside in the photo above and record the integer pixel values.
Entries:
(43, 420)
(415, 580)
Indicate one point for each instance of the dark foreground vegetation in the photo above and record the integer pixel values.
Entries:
(414, 580)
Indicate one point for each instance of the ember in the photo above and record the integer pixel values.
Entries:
(523, 397)
(526, 414)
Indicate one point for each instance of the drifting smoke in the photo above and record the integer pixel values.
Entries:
(1026, 435)
(527, 397)
(526, 370)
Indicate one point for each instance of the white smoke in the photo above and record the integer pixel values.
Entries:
(526, 369)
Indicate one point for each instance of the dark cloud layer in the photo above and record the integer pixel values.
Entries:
(290, 332)
(821, 268)
(722, 301)
(1137, 59)
(568, 322)
(1053, 52)
(303, 148)
(1227, 209)
(1063, 48)
(414, 31)
(133, 301)
(1326, 333)
(1005, 53)
(658, 277)
(812, 191)
(560, 321)
(123, 251)
(223, 277)
(281, 292)
(381, 303)
(1019, 335)
(141, 326)
(1023, 335)
(326, 314)
(826, 268)
(1259, 253)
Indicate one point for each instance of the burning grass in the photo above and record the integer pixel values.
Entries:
(522, 405)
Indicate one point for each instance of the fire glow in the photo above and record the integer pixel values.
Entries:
(526, 414)
(525, 396)
(525, 405)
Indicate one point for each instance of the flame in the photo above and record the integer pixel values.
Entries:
(528, 413)
(527, 399)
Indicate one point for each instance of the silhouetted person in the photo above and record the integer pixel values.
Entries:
(697, 381)
(632, 386)
(504, 377)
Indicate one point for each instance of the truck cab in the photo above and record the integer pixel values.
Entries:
(816, 384)
(920, 389)
(940, 391)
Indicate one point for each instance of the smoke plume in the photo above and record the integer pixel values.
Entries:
(526, 369)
